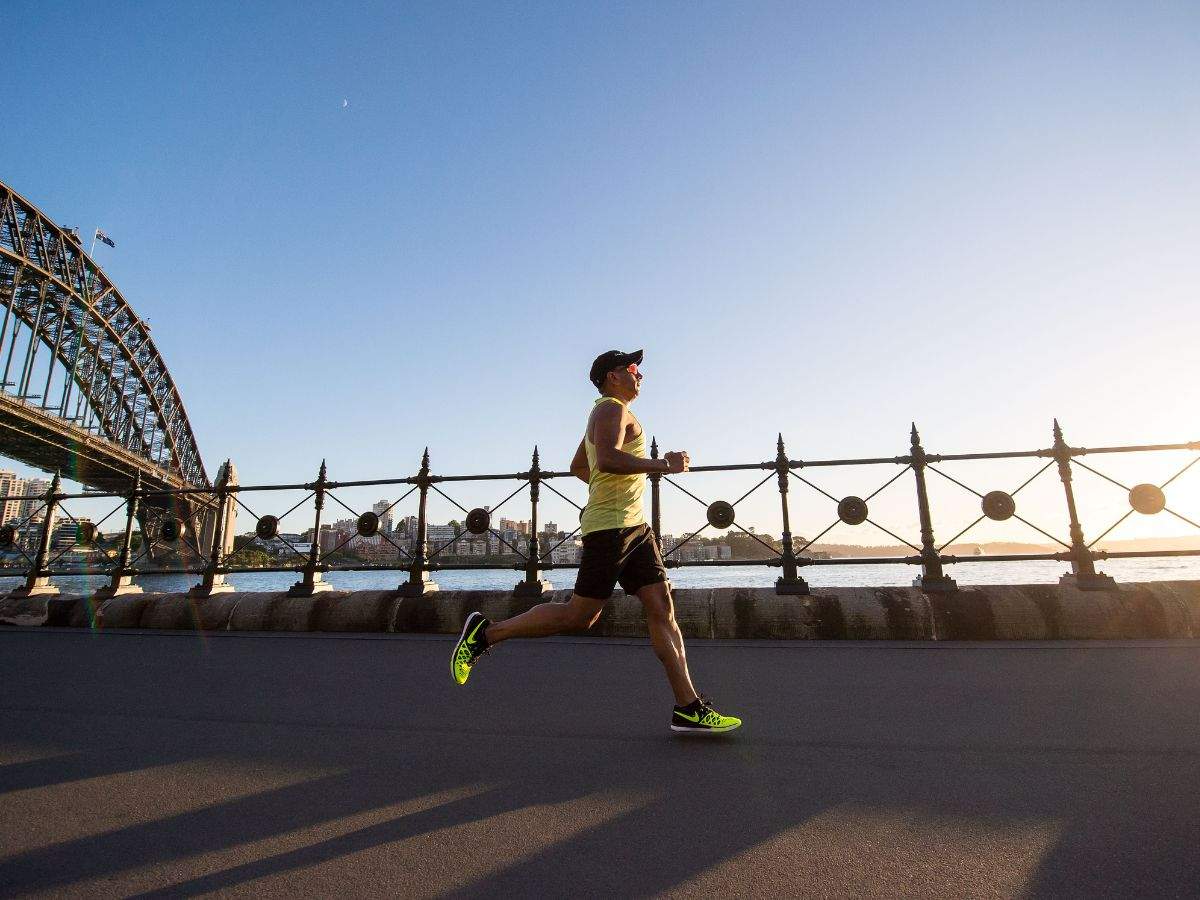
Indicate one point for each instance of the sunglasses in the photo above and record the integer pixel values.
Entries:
(632, 369)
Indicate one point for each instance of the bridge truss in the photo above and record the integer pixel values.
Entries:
(84, 389)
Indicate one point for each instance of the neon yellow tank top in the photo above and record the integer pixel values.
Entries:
(614, 501)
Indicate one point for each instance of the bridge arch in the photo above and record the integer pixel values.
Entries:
(71, 341)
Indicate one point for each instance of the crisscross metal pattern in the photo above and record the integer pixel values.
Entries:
(1127, 489)
(679, 546)
(1013, 493)
(420, 559)
(868, 520)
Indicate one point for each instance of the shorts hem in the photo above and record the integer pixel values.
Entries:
(659, 579)
(589, 595)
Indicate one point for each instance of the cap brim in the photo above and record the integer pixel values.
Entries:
(634, 357)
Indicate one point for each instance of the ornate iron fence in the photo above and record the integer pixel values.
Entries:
(420, 559)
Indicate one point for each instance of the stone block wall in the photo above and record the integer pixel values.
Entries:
(1162, 609)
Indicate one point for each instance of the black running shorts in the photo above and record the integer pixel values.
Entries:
(626, 555)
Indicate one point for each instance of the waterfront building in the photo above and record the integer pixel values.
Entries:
(383, 509)
(567, 553)
(505, 540)
(67, 533)
(34, 508)
(372, 549)
(437, 535)
(329, 538)
(10, 486)
(468, 546)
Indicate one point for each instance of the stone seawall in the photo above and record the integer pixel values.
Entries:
(1161, 609)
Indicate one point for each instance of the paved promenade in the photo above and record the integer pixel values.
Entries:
(321, 765)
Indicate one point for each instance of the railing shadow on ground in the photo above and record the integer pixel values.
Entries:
(391, 780)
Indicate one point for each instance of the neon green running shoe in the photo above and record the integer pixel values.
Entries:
(471, 645)
(698, 717)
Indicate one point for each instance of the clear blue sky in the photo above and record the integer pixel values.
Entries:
(821, 219)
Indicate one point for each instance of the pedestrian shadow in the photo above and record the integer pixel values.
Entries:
(410, 771)
(216, 827)
(493, 804)
(65, 768)
(575, 784)
(695, 806)
(645, 821)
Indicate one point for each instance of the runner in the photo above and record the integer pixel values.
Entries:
(618, 546)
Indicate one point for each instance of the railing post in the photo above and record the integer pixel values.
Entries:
(655, 499)
(37, 582)
(1083, 573)
(312, 580)
(790, 583)
(932, 578)
(121, 581)
(214, 573)
(419, 583)
(533, 585)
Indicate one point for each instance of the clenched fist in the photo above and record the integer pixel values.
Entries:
(677, 461)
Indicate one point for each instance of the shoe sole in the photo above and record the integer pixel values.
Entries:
(454, 653)
(681, 729)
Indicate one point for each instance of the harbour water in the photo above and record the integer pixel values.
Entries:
(883, 575)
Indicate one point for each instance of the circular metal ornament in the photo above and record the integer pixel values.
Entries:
(368, 524)
(479, 520)
(852, 510)
(998, 505)
(8, 536)
(720, 514)
(1147, 499)
(267, 527)
(87, 533)
(168, 531)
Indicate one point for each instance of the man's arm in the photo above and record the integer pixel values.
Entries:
(608, 434)
(579, 465)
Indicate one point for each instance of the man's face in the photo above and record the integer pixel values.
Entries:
(627, 380)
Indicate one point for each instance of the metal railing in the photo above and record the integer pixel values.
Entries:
(419, 560)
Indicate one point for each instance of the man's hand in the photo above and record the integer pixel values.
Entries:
(677, 461)
(579, 465)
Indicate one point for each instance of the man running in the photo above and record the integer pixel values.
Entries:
(618, 546)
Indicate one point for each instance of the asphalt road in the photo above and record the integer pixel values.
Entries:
(321, 765)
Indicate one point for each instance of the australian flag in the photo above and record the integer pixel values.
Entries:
(104, 238)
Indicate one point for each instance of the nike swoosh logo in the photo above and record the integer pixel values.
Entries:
(692, 718)
(474, 631)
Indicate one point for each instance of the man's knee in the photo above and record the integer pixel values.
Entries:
(583, 619)
(583, 614)
(656, 601)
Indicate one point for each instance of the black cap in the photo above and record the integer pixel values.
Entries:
(613, 359)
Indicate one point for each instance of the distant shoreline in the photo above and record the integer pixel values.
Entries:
(1191, 542)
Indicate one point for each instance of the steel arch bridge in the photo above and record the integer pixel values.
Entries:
(84, 390)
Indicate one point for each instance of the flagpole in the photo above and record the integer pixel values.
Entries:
(92, 250)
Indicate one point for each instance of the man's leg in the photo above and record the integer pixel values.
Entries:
(546, 619)
(667, 639)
